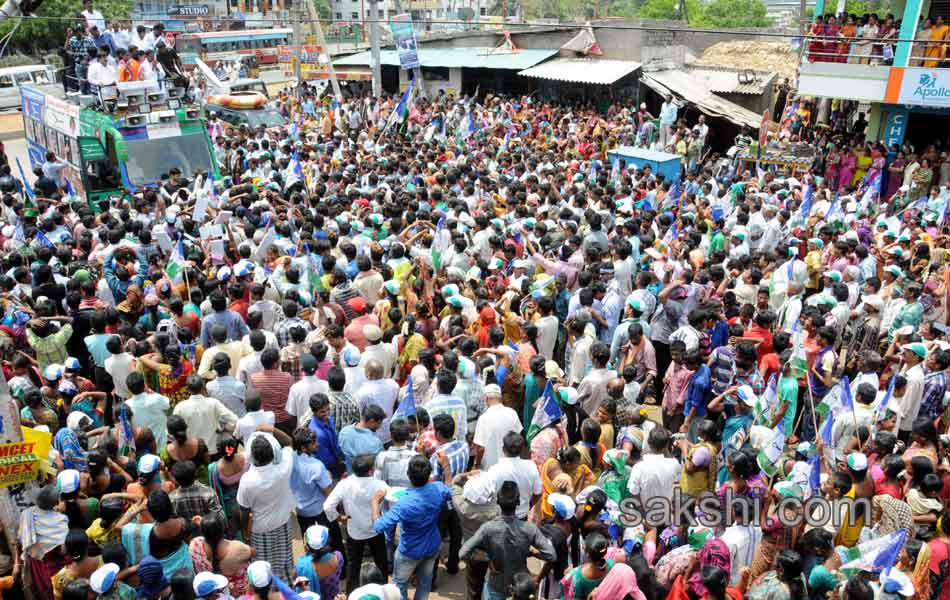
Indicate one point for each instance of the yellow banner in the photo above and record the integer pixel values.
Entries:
(20, 461)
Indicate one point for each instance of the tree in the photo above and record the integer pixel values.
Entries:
(49, 33)
(668, 10)
(734, 13)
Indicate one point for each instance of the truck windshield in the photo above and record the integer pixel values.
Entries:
(149, 160)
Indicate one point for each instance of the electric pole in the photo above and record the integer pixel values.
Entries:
(317, 26)
(374, 45)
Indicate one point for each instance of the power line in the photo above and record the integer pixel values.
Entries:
(506, 26)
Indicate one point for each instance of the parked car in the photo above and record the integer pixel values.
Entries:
(11, 78)
(252, 117)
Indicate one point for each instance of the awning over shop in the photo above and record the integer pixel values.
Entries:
(684, 86)
(469, 58)
(599, 71)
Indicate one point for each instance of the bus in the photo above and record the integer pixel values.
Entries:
(116, 148)
(223, 45)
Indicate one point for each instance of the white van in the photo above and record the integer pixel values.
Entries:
(11, 78)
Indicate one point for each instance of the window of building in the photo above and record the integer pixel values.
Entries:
(382, 14)
(339, 16)
(355, 15)
(483, 11)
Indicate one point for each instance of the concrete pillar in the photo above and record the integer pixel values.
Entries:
(911, 15)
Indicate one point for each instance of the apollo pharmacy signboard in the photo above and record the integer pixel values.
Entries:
(919, 87)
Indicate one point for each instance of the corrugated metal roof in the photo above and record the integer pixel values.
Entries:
(598, 71)
(726, 81)
(470, 58)
(684, 85)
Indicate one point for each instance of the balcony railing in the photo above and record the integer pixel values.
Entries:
(873, 51)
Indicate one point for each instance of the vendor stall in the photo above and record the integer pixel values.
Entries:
(659, 162)
(782, 155)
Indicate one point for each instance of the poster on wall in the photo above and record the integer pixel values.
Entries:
(919, 86)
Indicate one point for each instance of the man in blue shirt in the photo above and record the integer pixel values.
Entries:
(310, 481)
(321, 424)
(698, 393)
(417, 514)
(220, 315)
(361, 438)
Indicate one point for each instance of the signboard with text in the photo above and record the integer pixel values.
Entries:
(404, 37)
(193, 10)
(919, 86)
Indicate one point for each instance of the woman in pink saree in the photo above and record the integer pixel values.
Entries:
(832, 167)
(878, 162)
(849, 162)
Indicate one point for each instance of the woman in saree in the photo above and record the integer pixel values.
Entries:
(224, 475)
(816, 45)
(878, 162)
(831, 36)
(895, 175)
(563, 474)
(846, 35)
(408, 344)
(884, 52)
(832, 167)
(865, 44)
(849, 161)
(181, 446)
(863, 164)
(922, 179)
(486, 320)
(714, 553)
(921, 43)
(172, 371)
(936, 49)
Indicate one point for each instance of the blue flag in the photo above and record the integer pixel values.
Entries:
(548, 411)
(805, 208)
(41, 238)
(826, 428)
(847, 400)
(26, 184)
(69, 187)
(407, 408)
(886, 558)
(814, 475)
(881, 409)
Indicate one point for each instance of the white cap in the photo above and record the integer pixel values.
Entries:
(492, 389)
(746, 395)
(206, 583)
(102, 578)
(259, 573)
(67, 481)
(317, 536)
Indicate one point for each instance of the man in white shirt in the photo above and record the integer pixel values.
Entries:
(913, 370)
(140, 39)
(548, 326)
(118, 366)
(149, 410)
(380, 391)
(251, 363)
(267, 501)
(356, 494)
(523, 472)
(254, 418)
(378, 350)
(102, 75)
(93, 16)
(657, 474)
(120, 35)
(298, 401)
(204, 415)
(742, 538)
(492, 426)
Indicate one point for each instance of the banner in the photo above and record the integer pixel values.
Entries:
(20, 461)
(405, 39)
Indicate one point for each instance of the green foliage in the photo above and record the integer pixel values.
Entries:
(734, 13)
(44, 34)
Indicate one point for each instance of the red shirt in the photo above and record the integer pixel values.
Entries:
(754, 331)
(770, 363)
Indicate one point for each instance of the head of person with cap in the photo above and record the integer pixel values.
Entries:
(319, 559)
(913, 353)
(210, 586)
(104, 581)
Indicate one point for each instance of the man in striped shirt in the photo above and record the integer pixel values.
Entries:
(451, 456)
(274, 388)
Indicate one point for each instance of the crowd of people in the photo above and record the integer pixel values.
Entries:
(870, 38)
(98, 55)
(451, 335)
